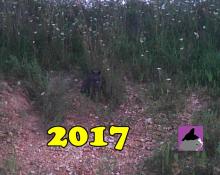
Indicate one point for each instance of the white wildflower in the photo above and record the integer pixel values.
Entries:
(197, 35)
(142, 39)
(215, 13)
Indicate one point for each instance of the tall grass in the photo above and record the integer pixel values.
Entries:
(136, 37)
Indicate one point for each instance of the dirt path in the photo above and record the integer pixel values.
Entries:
(24, 139)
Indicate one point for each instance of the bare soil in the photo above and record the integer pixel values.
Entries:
(23, 138)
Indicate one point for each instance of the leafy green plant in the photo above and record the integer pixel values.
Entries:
(53, 102)
(10, 164)
(107, 165)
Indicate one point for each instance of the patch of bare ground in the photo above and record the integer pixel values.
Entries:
(20, 130)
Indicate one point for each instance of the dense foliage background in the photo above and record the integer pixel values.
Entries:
(176, 40)
(181, 37)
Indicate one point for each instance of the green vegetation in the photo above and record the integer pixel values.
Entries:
(53, 102)
(10, 165)
(135, 38)
(168, 160)
(163, 44)
(107, 165)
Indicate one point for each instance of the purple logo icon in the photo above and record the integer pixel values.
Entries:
(190, 138)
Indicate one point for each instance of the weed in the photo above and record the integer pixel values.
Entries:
(53, 102)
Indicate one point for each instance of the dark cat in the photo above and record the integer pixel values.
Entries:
(92, 84)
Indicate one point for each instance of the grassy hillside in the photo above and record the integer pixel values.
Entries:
(169, 46)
